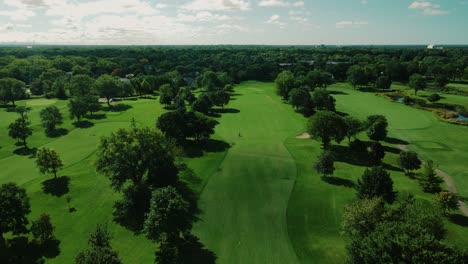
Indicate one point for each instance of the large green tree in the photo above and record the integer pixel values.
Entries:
(99, 249)
(285, 82)
(11, 90)
(409, 161)
(48, 161)
(14, 208)
(376, 182)
(51, 118)
(326, 125)
(20, 129)
(108, 87)
(324, 164)
(81, 85)
(42, 229)
(417, 82)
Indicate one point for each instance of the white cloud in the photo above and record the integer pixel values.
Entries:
(276, 20)
(280, 3)
(364, 2)
(217, 5)
(18, 14)
(427, 8)
(10, 26)
(350, 24)
(202, 16)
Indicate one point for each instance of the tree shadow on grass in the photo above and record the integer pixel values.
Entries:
(391, 167)
(21, 250)
(338, 181)
(338, 92)
(83, 124)
(118, 108)
(57, 186)
(396, 141)
(57, 132)
(196, 148)
(392, 149)
(344, 154)
(25, 151)
(192, 251)
(226, 110)
(458, 219)
(96, 116)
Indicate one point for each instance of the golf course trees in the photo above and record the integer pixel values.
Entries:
(324, 164)
(362, 216)
(447, 201)
(136, 155)
(81, 85)
(11, 90)
(48, 161)
(20, 129)
(376, 153)
(326, 125)
(99, 249)
(441, 80)
(50, 118)
(92, 103)
(383, 83)
(357, 76)
(298, 97)
(322, 100)
(285, 82)
(108, 87)
(167, 94)
(417, 82)
(317, 79)
(353, 127)
(203, 104)
(78, 108)
(430, 182)
(181, 125)
(210, 81)
(42, 229)
(220, 98)
(433, 98)
(409, 161)
(376, 182)
(14, 208)
(377, 127)
(168, 214)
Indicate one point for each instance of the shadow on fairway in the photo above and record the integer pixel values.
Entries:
(458, 219)
(338, 92)
(391, 167)
(21, 250)
(196, 148)
(192, 251)
(338, 181)
(396, 141)
(392, 149)
(83, 124)
(118, 108)
(57, 133)
(96, 116)
(226, 111)
(344, 154)
(25, 151)
(57, 186)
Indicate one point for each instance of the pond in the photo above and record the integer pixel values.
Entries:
(462, 118)
(399, 99)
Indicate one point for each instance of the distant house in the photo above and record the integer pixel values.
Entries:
(433, 46)
(124, 80)
(286, 64)
(130, 75)
(337, 62)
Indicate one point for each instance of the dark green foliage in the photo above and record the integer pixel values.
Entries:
(168, 214)
(376, 182)
(137, 155)
(354, 127)
(322, 100)
(92, 103)
(11, 90)
(78, 108)
(60, 88)
(108, 87)
(377, 130)
(441, 80)
(317, 79)
(358, 146)
(203, 103)
(357, 76)
(361, 217)
(167, 94)
(131, 209)
(184, 250)
(409, 161)
(376, 153)
(324, 164)
(220, 98)
(326, 126)
(417, 82)
(383, 83)
(285, 82)
(14, 208)
(181, 125)
(447, 201)
(81, 85)
(51, 118)
(210, 81)
(433, 98)
(298, 97)
(430, 182)
(48, 161)
(99, 250)
(20, 129)
(42, 229)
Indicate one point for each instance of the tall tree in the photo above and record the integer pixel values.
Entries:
(42, 229)
(107, 86)
(20, 128)
(377, 131)
(376, 182)
(285, 82)
(417, 82)
(78, 108)
(354, 127)
(409, 161)
(51, 118)
(14, 208)
(81, 85)
(447, 201)
(99, 249)
(48, 161)
(326, 126)
(324, 164)
(383, 83)
(11, 90)
(430, 181)
(322, 100)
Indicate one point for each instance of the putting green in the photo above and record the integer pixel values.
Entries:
(244, 202)
(40, 102)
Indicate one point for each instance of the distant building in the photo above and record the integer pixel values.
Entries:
(433, 46)
(124, 80)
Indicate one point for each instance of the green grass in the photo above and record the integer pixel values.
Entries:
(458, 86)
(446, 98)
(261, 200)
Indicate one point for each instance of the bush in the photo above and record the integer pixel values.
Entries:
(358, 146)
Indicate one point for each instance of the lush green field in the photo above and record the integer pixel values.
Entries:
(458, 86)
(261, 200)
(445, 97)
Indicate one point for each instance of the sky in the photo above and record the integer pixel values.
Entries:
(262, 22)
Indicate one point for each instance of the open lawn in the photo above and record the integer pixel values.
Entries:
(446, 98)
(261, 201)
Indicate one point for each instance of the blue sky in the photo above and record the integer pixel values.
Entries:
(282, 22)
